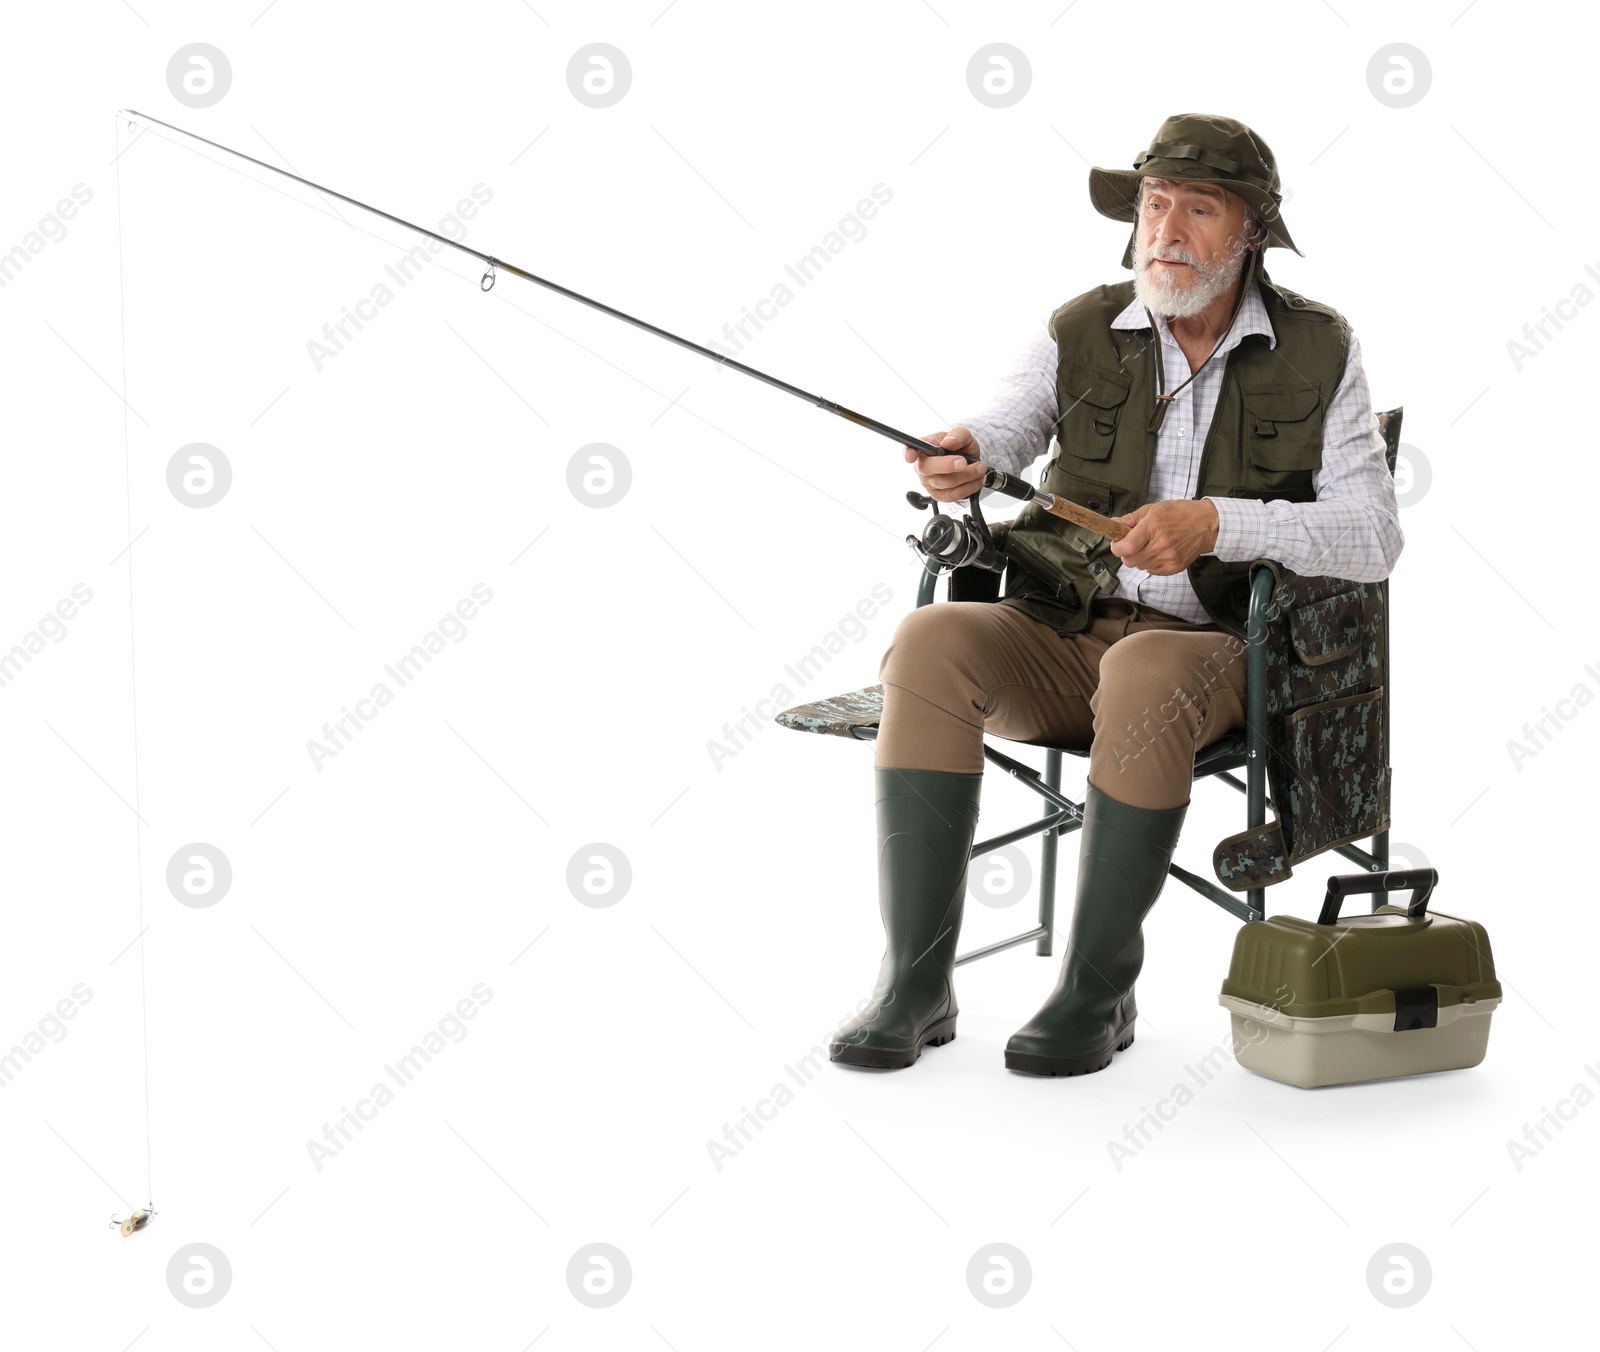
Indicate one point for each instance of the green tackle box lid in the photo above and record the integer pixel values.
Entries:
(1404, 960)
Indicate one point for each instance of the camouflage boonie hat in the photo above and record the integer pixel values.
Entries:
(1199, 149)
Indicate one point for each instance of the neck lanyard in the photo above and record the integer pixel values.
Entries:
(1158, 415)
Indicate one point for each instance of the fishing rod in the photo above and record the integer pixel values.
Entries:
(947, 542)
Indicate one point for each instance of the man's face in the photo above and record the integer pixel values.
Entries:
(1189, 247)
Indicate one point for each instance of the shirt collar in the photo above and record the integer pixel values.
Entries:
(1252, 318)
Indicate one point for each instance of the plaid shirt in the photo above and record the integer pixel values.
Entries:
(1352, 530)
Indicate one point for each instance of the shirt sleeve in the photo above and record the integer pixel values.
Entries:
(1352, 530)
(1021, 418)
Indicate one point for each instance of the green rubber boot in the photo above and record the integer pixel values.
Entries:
(926, 820)
(1122, 864)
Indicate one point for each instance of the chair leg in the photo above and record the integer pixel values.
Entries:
(1047, 860)
(1380, 855)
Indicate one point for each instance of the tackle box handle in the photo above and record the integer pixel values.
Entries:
(1421, 881)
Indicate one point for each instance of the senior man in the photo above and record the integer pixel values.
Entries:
(1223, 418)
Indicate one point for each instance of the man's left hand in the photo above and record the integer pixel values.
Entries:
(1166, 537)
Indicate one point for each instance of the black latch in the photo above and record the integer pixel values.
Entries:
(1416, 1007)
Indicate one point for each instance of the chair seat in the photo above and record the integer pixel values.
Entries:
(838, 715)
(857, 711)
(1226, 753)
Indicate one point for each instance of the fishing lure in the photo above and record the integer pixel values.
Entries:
(135, 1222)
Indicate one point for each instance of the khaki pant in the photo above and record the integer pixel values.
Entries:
(1141, 689)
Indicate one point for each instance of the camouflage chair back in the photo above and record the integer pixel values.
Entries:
(1315, 747)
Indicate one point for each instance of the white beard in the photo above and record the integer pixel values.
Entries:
(1173, 297)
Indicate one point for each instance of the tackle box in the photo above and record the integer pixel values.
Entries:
(1401, 991)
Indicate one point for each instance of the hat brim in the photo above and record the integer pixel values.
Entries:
(1115, 193)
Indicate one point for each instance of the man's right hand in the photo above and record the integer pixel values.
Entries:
(949, 478)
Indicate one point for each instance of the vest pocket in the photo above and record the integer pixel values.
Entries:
(1090, 401)
(1283, 432)
(1097, 497)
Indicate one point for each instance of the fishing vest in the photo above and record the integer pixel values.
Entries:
(1264, 442)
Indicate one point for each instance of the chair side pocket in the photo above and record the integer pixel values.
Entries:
(1339, 771)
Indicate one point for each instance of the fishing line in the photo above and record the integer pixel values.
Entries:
(947, 542)
(138, 1219)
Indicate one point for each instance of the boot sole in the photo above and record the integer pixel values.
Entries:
(1030, 1064)
(881, 1058)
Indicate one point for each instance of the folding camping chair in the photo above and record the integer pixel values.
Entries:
(858, 714)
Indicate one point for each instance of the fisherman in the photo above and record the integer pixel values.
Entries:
(1266, 448)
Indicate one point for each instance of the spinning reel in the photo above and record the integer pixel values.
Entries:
(951, 542)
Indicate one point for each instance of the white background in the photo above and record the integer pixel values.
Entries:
(371, 894)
